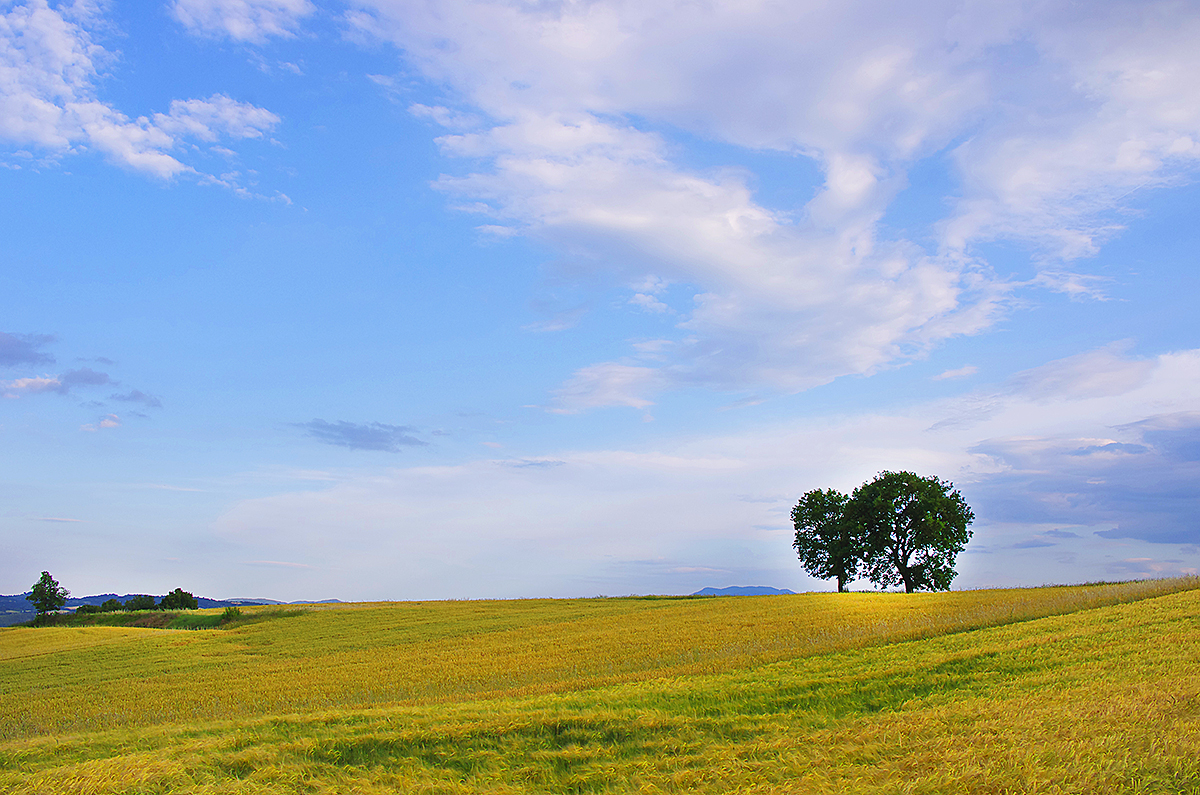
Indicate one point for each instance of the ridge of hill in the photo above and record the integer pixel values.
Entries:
(743, 590)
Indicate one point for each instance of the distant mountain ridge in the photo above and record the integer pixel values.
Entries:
(742, 590)
(16, 608)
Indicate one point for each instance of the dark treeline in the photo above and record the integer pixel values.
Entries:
(48, 596)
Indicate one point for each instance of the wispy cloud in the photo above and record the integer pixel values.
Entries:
(362, 436)
(1045, 118)
(608, 384)
(163, 487)
(961, 372)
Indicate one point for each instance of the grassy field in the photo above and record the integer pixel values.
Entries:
(956, 692)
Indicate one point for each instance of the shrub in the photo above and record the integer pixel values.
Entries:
(111, 606)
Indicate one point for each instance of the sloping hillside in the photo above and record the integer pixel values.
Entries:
(1097, 698)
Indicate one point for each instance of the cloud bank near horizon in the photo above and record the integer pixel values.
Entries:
(1061, 468)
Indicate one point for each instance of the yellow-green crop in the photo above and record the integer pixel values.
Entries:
(798, 694)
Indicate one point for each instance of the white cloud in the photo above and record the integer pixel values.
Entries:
(252, 21)
(31, 386)
(1102, 373)
(670, 519)
(607, 384)
(1109, 107)
(61, 384)
(49, 65)
(649, 303)
(1047, 117)
(961, 372)
(218, 115)
(1098, 373)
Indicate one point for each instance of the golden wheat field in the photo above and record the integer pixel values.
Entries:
(1056, 690)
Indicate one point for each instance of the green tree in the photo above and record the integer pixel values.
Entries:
(825, 542)
(47, 596)
(140, 602)
(912, 528)
(111, 606)
(178, 599)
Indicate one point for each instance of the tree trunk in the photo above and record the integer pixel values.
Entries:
(841, 583)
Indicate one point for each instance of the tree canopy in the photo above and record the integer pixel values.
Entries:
(47, 596)
(140, 602)
(898, 529)
(178, 599)
(824, 542)
(913, 528)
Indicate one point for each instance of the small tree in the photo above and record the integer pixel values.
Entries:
(111, 605)
(825, 542)
(47, 596)
(912, 527)
(140, 602)
(178, 599)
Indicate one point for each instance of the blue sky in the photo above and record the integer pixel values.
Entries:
(382, 299)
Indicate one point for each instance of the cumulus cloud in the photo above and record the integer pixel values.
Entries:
(24, 349)
(209, 119)
(252, 21)
(362, 436)
(50, 63)
(1045, 119)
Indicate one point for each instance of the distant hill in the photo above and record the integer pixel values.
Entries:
(742, 590)
(16, 608)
